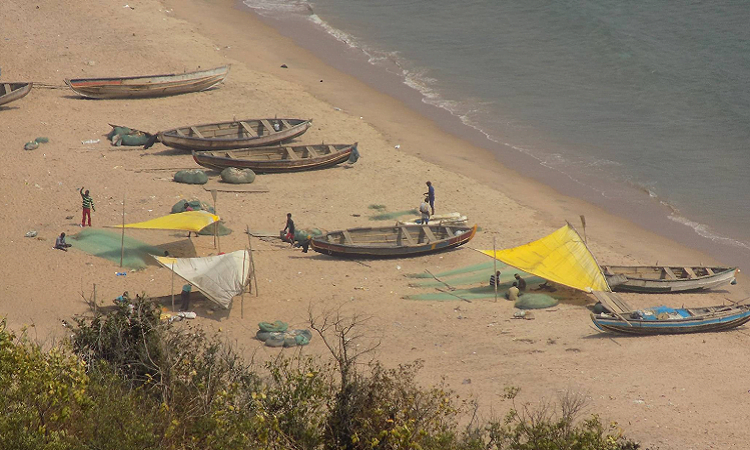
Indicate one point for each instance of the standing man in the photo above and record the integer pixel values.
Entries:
(289, 228)
(87, 204)
(431, 196)
(424, 209)
(185, 297)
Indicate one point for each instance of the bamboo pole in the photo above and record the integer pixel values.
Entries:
(122, 239)
(172, 286)
(252, 260)
(244, 284)
(214, 194)
(494, 271)
(94, 298)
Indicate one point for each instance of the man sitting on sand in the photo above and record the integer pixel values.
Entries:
(521, 282)
(60, 243)
(513, 292)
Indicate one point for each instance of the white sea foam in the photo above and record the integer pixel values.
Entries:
(706, 232)
(265, 7)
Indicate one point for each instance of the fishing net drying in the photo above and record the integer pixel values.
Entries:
(393, 215)
(462, 270)
(106, 244)
(535, 301)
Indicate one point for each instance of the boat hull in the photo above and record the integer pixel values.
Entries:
(13, 91)
(354, 250)
(147, 86)
(638, 279)
(212, 160)
(725, 318)
(230, 135)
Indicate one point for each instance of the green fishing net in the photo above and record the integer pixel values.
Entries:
(106, 244)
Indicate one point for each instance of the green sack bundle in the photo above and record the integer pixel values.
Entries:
(196, 205)
(194, 176)
(237, 176)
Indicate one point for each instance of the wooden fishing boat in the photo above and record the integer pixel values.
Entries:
(661, 279)
(276, 159)
(13, 91)
(392, 242)
(148, 86)
(663, 320)
(234, 134)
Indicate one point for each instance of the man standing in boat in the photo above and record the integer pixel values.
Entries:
(87, 203)
(431, 196)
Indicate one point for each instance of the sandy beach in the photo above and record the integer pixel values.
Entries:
(667, 392)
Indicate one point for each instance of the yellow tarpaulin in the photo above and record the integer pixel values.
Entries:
(561, 257)
(184, 221)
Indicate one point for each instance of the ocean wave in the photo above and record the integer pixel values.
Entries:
(706, 232)
(279, 6)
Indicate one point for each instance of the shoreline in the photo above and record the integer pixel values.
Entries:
(637, 204)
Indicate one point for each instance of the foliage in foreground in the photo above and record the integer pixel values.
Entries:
(128, 381)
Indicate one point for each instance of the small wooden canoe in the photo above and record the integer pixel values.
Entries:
(392, 242)
(276, 159)
(234, 134)
(13, 91)
(662, 279)
(663, 320)
(148, 86)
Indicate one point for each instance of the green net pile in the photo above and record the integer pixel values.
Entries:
(198, 205)
(106, 244)
(393, 215)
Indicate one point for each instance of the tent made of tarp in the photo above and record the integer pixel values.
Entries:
(184, 221)
(219, 278)
(561, 257)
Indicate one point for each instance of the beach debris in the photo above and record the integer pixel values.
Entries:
(522, 314)
(284, 66)
(121, 274)
(31, 234)
(397, 146)
(90, 141)
(31, 145)
(466, 381)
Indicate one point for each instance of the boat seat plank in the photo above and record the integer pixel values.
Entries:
(196, 132)
(249, 130)
(670, 274)
(292, 154)
(430, 235)
(312, 151)
(450, 232)
(710, 271)
(179, 132)
(407, 235)
(286, 124)
(267, 125)
(7, 88)
(690, 273)
(348, 237)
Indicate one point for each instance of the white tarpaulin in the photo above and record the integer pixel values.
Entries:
(218, 277)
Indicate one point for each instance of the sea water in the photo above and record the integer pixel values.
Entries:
(650, 96)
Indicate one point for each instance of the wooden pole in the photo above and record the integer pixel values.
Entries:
(94, 298)
(244, 285)
(252, 260)
(172, 285)
(122, 239)
(494, 260)
(583, 222)
(214, 194)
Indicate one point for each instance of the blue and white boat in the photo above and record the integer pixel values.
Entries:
(665, 320)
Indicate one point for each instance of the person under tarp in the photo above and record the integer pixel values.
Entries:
(219, 277)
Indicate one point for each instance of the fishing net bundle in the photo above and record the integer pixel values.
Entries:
(276, 334)
(198, 205)
(193, 176)
(127, 136)
(237, 176)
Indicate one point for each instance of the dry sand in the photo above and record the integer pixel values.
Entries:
(670, 392)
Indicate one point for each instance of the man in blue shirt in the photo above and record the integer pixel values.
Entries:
(431, 195)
